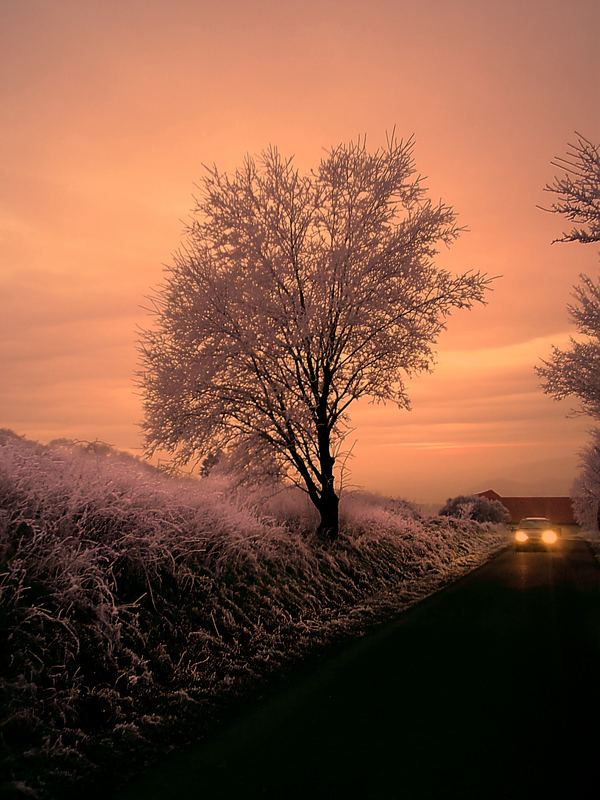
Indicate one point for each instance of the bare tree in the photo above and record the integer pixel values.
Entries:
(578, 191)
(293, 296)
(576, 371)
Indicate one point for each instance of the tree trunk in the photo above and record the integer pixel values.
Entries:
(329, 510)
(329, 501)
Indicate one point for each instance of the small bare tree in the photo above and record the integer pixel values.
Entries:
(293, 296)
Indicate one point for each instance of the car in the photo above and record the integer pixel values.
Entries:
(536, 532)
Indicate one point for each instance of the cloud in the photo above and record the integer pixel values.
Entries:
(105, 133)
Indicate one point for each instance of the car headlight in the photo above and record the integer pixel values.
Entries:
(549, 537)
(521, 536)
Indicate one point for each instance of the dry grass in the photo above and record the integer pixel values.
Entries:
(132, 603)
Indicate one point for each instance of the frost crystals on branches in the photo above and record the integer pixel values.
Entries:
(293, 296)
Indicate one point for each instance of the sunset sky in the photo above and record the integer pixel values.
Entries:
(109, 109)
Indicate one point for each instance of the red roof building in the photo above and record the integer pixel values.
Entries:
(558, 509)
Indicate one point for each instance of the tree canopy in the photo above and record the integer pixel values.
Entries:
(578, 191)
(291, 297)
(575, 371)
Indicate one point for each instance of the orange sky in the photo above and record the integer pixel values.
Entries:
(109, 110)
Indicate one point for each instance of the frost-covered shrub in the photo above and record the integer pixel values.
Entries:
(476, 508)
(291, 505)
(130, 600)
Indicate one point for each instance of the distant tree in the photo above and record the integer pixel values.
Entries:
(578, 191)
(477, 508)
(97, 447)
(210, 462)
(293, 296)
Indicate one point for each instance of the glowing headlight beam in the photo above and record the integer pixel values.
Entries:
(549, 537)
(521, 536)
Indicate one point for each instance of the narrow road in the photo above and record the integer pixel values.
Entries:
(489, 689)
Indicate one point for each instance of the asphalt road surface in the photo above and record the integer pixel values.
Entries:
(489, 689)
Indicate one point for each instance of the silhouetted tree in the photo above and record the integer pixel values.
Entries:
(293, 296)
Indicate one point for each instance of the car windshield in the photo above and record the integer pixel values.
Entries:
(535, 522)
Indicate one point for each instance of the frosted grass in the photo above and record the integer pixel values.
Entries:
(134, 604)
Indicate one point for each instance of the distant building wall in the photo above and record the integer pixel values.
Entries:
(557, 509)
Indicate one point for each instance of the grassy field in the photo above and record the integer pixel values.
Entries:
(135, 606)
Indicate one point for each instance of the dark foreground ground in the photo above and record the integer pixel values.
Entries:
(490, 688)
